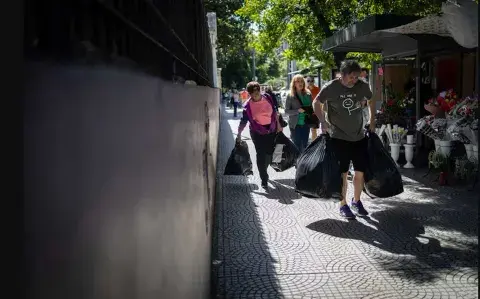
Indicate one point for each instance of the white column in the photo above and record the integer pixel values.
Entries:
(212, 28)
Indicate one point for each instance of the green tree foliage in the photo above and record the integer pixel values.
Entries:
(235, 41)
(234, 50)
(304, 24)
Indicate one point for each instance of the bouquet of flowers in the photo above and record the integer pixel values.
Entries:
(445, 102)
(464, 127)
(392, 108)
(465, 107)
(409, 99)
(395, 134)
(472, 132)
(435, 128)
(459, 129)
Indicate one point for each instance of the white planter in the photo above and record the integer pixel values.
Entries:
(446, 148)
(437, 145)
(395, 151)
(409, 139)
(469, 151)
(409, 155)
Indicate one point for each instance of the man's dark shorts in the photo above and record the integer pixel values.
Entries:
(354, 151)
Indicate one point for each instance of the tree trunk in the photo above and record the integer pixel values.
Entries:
(316, 8)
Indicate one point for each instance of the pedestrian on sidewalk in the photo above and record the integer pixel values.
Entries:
(297, 101)
(314, 90)
(339, 106)
(243, 96)
(269, 91)
(236, 102)
(260, 112)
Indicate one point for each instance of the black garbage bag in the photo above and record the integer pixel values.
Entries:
(285, 153)
(382, 177)
(318, 173)
(239, 162)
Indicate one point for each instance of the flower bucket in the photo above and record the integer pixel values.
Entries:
(437, 145)
(445, 148)
(469, 151)
(395, 151)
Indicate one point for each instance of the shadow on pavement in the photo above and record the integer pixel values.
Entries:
(243, 266)
(284, 194)
(396, 233)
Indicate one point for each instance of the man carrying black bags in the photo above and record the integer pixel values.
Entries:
(338, 106)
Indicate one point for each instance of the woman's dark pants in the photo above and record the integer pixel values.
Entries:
(300, 136)
(235, 108)
(264, 146)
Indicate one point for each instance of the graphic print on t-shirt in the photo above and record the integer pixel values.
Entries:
(350, 104)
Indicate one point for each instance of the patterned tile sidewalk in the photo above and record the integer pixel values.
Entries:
(420, 244)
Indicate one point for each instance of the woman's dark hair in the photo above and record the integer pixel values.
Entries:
(350, 66)
(252, 86)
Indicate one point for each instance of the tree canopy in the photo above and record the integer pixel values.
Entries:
(304, 24)
(235, 44)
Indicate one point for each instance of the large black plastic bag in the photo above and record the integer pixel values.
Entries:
(239, 162)
(318, 172)
(382, 177)
(285, 153)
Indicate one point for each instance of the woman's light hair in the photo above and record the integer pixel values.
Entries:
(293, 90)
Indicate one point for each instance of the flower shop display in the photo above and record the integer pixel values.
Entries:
(452, 120)
(445, 125)
(393, 107)
(409, 102)
(464, 126)
(442, 104)
(395, 137)
(409, 146)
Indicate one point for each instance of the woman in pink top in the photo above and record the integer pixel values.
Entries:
(259, 111)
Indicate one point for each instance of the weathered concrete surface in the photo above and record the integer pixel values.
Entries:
(421, 244)
(119, 184)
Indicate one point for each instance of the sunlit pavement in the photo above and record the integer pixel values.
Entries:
(420, 244)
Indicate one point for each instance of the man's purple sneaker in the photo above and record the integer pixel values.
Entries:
(346, 212)
(358, 208)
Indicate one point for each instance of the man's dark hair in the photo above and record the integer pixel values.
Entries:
(252, 86)
(350, 66)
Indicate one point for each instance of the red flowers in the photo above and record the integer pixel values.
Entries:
(446, 100)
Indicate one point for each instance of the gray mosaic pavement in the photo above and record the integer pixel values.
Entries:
(420, 244)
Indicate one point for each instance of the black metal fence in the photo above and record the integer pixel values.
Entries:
(165, 38)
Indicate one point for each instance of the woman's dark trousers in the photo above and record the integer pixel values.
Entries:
(264, 146)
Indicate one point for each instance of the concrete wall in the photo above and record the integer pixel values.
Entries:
(119, 184)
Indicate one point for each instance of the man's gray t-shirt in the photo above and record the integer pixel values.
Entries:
(343, 108)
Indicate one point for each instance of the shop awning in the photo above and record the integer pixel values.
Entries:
(369, 35)
(456, 21)
(394, 36)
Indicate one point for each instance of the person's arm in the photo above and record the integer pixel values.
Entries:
(242, 125)
(372, 107)
(288, 106)
(275, 102)
(318, 103)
